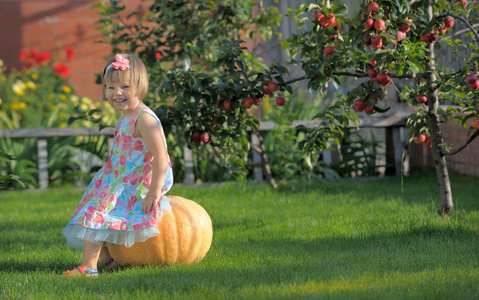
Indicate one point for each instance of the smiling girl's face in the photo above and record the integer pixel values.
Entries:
(122, 98)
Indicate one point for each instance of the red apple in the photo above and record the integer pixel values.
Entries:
(205, 138)
(359, 105)
(471, 78)
(377, 41)
(433, 37)
(273, 86)
(372, 73)
(448, 22)
(475, 123)
(419, 139)
(196, 137)
(379, 25)
(425, 38)
(373, 7)
(367, 39)
(373, 63)
(280, 101)
(257, 101)
(369, 109)
(369, 24)
(474, 85)
(318, 16)
(383, 79)
(329, 50)
(400, 35)
(405, 27)
(227, 105)
(421, 98)
(266, 90)
(325, 22)
(248, 102)
(332, 20)
(427, 142)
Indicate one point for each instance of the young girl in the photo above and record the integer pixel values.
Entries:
(124, 201)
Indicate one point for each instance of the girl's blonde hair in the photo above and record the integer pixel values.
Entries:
(135, 75)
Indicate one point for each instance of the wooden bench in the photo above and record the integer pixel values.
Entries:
(396, 143)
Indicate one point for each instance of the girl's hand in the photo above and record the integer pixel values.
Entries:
(151, 201)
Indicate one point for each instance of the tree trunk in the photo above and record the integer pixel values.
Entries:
(435, 131)
(264, 161)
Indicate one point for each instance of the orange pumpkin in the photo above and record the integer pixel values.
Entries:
(185, 237)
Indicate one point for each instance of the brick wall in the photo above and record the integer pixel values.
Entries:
(51, 26)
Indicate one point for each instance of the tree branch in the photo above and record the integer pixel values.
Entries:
(467, 23)
(360, 75)
(469, 140)
(459, 32)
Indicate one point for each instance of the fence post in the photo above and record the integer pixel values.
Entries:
(42, 163)
(258, 171)
(188, 157)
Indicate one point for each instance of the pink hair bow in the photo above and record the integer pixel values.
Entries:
(121, 62)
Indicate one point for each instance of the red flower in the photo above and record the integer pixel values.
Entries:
(43, 57)
(70, 53)
(23, 55)
(158, 55)
(61, 69)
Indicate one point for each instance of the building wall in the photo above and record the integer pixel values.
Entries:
(51, 26)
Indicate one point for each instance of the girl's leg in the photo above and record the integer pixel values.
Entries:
(104, 255)
(106, 260)
(91, 253)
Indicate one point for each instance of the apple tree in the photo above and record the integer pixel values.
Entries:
(392, 40)
(384, 43)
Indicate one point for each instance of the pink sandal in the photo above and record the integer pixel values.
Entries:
(83, 272)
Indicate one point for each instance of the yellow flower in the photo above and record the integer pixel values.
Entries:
(31, 85)
(96, 115)
(62, 125)
(80, 138)
(1, 63)
(18, 88)
(1, 101)
(14, 106)
(67, 89)
(54, 107)
(86, 123)
(98, 104)
(75, 100)
(22, 105)
(34, 75)
(3, 78)
(63, 97)
(84, 107)
(86, 100)
(13, 122)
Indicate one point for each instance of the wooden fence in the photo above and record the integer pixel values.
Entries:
(396, 142)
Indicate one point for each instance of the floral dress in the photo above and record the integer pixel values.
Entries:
(110, 209)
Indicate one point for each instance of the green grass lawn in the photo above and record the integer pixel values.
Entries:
(374, 239)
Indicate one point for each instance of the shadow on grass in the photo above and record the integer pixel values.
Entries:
(255, 262)
(419, 187)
